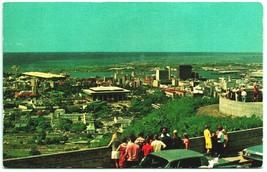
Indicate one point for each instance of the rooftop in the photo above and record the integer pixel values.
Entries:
(175, 154)
(105, 89)
(44, 75)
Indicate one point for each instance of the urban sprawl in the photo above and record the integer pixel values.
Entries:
(42, 108)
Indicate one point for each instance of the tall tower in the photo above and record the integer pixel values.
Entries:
(84, 118)
(185, 72)
(162, 74)
(158, 74)
(169, 72)
(34, 85)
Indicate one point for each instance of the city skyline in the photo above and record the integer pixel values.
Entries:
(133, 27)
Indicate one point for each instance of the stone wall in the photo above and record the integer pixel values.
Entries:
(92, 158)
(100, 157)
(237, 108)
(238, 140)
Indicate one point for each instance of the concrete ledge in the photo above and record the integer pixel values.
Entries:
(100, 157)
(91, 158)
(239, 109)
(238, 140)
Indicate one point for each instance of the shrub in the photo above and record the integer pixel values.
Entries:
(180, 114)
(34, 151)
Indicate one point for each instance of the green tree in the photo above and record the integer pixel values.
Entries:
(71, 109)
(8, 94)
(64, 124)
(57, 101)
(140, 90)
(105, 139)
(42, 125)
(77, 127)
(180, 114)
(89, 136)
(8, 124)
(34, 151)
(98, 124)
(157, 97)
(99, 109)
(64, 138)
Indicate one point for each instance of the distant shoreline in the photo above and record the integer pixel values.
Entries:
(102, 61)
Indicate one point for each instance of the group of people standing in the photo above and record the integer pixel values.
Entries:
(128, 152)
(237, 94)
(240, 94)
(216, 143)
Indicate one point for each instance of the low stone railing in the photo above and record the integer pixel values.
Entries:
(239, 109)
(100, 157)
(91, 158)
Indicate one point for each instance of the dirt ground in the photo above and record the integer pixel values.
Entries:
(210, 110)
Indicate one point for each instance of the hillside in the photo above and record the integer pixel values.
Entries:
(210, 110)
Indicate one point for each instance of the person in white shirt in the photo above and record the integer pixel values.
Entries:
(244, 95)
(220, 141)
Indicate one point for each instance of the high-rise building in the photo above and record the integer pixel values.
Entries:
(34, 85)
(163, 75)
(195, 75)
(184, 72)
(169, 72)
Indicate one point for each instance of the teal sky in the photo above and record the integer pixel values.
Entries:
(132, 27)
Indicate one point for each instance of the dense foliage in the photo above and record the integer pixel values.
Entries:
(98, 109)
(180, 114)
(34, 151)
(143, 105)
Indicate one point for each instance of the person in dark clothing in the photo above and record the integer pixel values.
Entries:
(164, 130)
(214, 144)
(140, 141)
(150, 137)
(166, 140)
(176, 140)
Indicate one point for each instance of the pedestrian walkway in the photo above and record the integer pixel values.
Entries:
(235, 156)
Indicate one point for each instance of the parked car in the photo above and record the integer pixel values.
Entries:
(182, 158)
(254, 154)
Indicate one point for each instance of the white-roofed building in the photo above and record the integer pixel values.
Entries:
(43, 75)
(107, 93)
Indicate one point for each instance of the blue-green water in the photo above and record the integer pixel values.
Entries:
(78, 64)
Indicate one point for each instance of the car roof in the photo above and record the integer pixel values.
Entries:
(176, 154)
(255, 149)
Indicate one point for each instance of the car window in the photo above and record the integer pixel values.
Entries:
(174, 164)
(151, 161)
(190, 163)
(204, 161)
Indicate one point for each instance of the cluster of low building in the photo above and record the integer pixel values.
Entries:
(30, 91)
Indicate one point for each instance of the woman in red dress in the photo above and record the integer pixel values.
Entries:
(122, 149)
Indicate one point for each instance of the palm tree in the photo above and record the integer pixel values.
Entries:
(15, 69)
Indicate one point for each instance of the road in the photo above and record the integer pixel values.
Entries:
(238, 156)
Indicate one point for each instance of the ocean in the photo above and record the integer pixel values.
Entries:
(83, 64)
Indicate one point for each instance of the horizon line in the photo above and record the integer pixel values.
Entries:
(132, 52)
